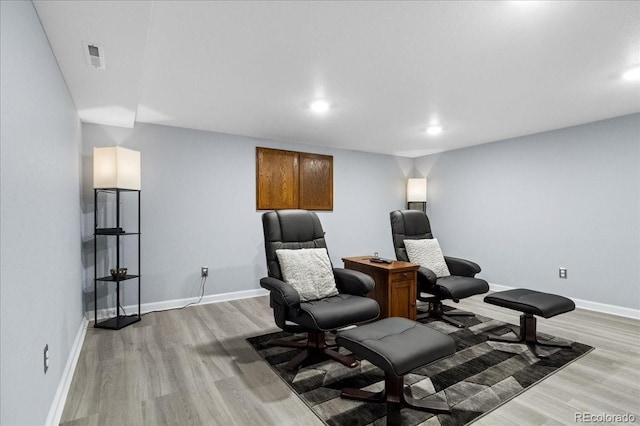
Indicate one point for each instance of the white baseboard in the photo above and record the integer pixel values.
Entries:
(588, 305)
(498, 287)
(179, 303)
(607, 309)
(57, 406)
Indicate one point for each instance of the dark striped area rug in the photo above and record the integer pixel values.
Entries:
(481, 376)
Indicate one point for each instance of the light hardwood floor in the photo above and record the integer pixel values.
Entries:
(194, 367)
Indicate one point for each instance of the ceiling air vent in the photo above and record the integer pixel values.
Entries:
(94, 54)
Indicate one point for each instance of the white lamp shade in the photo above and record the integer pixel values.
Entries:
(417, 190)
(116, 168)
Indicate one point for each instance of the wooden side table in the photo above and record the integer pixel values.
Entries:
(396, 285)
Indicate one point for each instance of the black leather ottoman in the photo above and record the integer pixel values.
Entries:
(530, 303)
(397, 346)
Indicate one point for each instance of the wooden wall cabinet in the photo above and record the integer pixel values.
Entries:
(293, 180)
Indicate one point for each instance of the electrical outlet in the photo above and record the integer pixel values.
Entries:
(46, 358)
(562, 273)
(204, 272)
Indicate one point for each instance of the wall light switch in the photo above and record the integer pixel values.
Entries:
(563, 273)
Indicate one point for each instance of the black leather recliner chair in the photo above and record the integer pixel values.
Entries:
(414, 224)
(298, 229)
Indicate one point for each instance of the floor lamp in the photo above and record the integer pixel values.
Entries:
(417, 194)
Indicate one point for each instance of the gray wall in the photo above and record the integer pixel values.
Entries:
(198, 207)
(524, 207)
(40, 269)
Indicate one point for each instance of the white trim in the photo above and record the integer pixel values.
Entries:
(179, 303)
(588, 305)
(57, 406)
(607, 309)
(498, 287)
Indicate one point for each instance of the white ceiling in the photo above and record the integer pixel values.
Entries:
(484, 71)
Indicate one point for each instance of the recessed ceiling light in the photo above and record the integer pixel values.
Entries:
(632, 75)
(319, 106)
(434, 130)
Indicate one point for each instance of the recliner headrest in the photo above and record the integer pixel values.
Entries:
(415, 223)
(299, 225)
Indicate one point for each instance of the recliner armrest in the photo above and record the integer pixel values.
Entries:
(282, 292)
(462, 267)
(353, 282)
(426, 276)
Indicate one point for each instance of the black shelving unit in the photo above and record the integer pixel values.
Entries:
(119, 321)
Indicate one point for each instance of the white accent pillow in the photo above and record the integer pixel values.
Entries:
(309, 272)
(427, 253)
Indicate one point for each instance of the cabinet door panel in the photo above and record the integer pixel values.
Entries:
(402, 300)
(277, 179)
(316, 181)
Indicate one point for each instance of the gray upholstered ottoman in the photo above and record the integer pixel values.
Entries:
(397, 346)
(530, 303)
